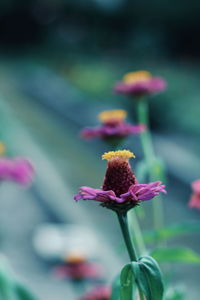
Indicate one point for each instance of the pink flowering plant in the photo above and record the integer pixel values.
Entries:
(120, 192)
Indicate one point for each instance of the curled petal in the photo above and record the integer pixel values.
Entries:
(88, 193)
(142, 192)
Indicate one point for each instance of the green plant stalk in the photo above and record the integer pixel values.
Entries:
(125, 232)
(150, 157)
(122, 217)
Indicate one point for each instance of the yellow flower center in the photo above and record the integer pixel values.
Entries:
(139, 76)
(2, 148)
(75, 259)
(110, 115)
(124, 154)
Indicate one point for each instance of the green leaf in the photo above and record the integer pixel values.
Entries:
(6, 288)
(116, 286)
(23, 293)
(6, 280)
(148, 278)
(126, 282)
(172, 231)
(176, 254)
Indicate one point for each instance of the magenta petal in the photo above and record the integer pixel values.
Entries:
(142, 192)
(120, 129)
(19, 170)
(88, 193)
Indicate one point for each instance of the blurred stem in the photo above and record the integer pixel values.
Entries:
(150, 158)
(122, 217)
(135, 227)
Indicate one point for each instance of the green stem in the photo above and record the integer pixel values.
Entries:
(125, 231)
(147, 145)
(150, 157)
(126, 235)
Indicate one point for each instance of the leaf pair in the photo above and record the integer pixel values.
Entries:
(146, 275)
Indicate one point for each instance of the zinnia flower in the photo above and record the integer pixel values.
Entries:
(195, 198)
(98, 293)
(78, 268)
(140, 83)
(120, 190)
(19, 170)
(113, 128)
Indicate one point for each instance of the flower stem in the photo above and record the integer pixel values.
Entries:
(126, 235)
(150, 157)
(125, 231)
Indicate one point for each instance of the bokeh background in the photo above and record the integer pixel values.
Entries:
(58, 62)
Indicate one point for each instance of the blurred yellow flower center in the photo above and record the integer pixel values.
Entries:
(2, 148)
(124, 154)
(138, 76)
(117, 114)
(75, 258)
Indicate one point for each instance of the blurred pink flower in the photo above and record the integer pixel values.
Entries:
(98, 293)
(79, 270)
(113, 126)
(140, 83)
(195, 198)
(115, 130)
(19, 170)
(120, 185)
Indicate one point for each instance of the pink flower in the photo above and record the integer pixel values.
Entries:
(120, 185)
(19, 170)
(98, 293)
(195, 198)
(113, 128)
(79, 270)
(140, 83)
(109, 131)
